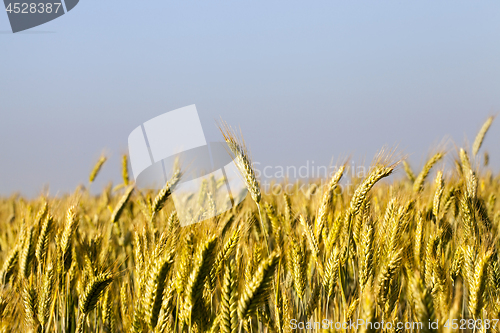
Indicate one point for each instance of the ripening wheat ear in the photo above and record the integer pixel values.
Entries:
(242, 158)
(367, 313)
(274, 219)
(386, 275)
(379, 172)
(326, 200)
(288, 208)
(419, 238)
(438, 194)
(457, 263)
(195, 283)
(312, 304)
(409, 171)
(30, 300)
(125, 175)
(256, 292)
(366, 265)
(478, 284)
(97, 168)
(222, 256)
(465, 167)
(481, 134)
(154, 289)
(107, 313)
(331, 272)
(184, 263)
(243, 162)
(121, 204)
(468, 220)
(418, 185)
(164, 320)
(164, 193)
(67, 236)
(9, 266)
(43, 239)
(228, 312)
(349, 313)
(299, 267)
(27, 253)
(30, 244)
(91, 295)
(424, 306)
(362, 190)
(46, 296)
(41, 213)
(313, 242)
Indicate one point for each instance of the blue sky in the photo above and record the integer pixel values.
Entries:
(305, 80)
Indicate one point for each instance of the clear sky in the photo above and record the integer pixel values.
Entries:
(305, 80)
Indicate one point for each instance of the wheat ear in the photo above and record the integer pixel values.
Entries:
(164, 193)
(195, 283)
(30, 300)
(331, 272)
(387, 274)
(243, 161)
(125, 175)
(419, 181)
(223, 255)
(256, 292)
(229, 313)
(299, 266)
(97, 168)
(43, 240)
(409, 172)
(67, 236)
(366, 265)
(46, 296)
(154, 289)
(121, 204)
(326, 200)
(438, 194)
(480, 135)
(91, 295)
(9, 266)
(424, 306)
(478, 285)
(27, 253)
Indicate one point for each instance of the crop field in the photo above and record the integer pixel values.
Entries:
(417, 253)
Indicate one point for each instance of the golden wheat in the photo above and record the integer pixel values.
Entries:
(402, 250)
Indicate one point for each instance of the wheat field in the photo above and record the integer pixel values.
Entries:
(418, 253)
